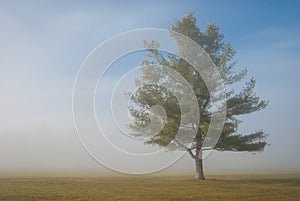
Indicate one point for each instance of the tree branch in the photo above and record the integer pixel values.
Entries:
(191, 154)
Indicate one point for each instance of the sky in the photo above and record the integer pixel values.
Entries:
(44, 43)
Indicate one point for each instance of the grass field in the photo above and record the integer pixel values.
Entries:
(180, 188)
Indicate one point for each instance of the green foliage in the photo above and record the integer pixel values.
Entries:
(238, 103)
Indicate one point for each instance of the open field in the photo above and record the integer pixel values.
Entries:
(226, 188)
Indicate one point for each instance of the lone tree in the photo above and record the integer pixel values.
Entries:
(238, 103)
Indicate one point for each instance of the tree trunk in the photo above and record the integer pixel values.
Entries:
(199, 169)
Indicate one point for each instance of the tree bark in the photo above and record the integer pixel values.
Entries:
(199, 169)
(198, 163)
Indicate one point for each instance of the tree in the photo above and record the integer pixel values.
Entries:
(238, 103)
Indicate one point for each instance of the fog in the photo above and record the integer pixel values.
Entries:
(43, 46)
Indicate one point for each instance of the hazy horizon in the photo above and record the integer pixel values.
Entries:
(44, 44)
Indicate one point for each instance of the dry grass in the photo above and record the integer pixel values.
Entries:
(226, 188)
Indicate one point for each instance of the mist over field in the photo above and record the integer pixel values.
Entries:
(44, 43)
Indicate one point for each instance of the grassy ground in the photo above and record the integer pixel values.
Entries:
(246, 188)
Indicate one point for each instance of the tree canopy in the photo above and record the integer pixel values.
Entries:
(238, 103)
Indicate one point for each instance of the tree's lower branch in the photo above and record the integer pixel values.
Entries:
(191, 154)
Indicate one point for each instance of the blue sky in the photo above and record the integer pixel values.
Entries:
(43, 44)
